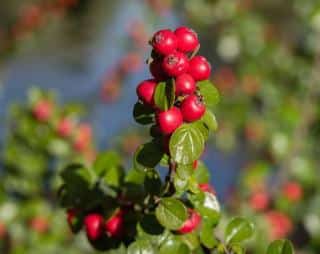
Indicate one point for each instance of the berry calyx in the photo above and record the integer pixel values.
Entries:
(191, 223)
(199, 68)
(42, 111)
(169, 120)
(175, 64)
(187, 39)
(115, 224)
(185, 84)
(164, 42)
(145, 91)
(192, 108)
(94, 226)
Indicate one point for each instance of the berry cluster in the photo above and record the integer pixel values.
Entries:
(173, 59)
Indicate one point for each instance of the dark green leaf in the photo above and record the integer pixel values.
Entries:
(164, 95)
(143, 114)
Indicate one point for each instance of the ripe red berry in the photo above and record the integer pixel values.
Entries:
(185, 84)
(65, 127)
(42, 111)
(259, 201)
(192, 108)
(187, 39)
(280, 224)
(199, 68)
(145, 91)
(164, 42)
(169, 120)
(191, 223)
(156, 69)
(292, 191)
(205, 187)
(175, 64)
(115, 225)
(94, 226)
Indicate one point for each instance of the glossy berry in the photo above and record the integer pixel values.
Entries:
(42, 111)
(187, 39)
(156, 69)
(94, 226)
(192, 108)
(65, 127)
(205, 187)
(169, 120)
(259, 201)
(175, 64)
(115, 225)
(185, 84)
(199, 68)
(145, 91)
(164, 42)
(191, 223)
(292, 191)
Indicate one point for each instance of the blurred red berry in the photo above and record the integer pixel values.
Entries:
(39, 224)
(279, 223)
(94, 226)
(65, 127)
(43, 110)
(3, 230)
(83, 137)
(206, 187)
(259, 201)
(293, 191)
(115, 224)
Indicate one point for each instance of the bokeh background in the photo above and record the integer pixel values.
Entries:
(89, 55)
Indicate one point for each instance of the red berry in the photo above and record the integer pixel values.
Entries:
(192, 108)
(293, 191)
(156, 69)
(43, 110)
(191, 223)
(199, 68)
(259, 201)
(169, 120)
(185, 84)
(39, 224)
(187, 39)
(145, 91)
(64, 127)
(115, 225)
(205, 187)
(3, 230)
(280, 224)
(83, 138)
(94, 226)
(164, 42)
(175, 64)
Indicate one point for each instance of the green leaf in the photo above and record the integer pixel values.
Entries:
(209, 120)
(184, 171)
(207, 237)
(181, 185)
(114, 176)
(143, 114)
(209, 92)
(174, 246)
(148, 155)
(135, 176)
(141, 247)
(186, 144)
(202, 174)
(238, 230)
(105, 161)
(164, 95)
(171, 213)
(280, 247)
(207, 205)
(191, 239)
